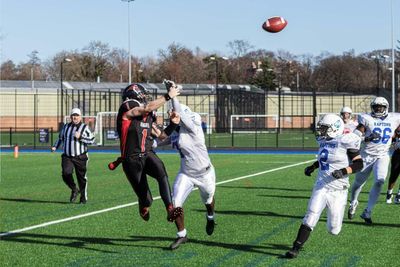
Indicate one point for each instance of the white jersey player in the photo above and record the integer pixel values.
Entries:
(332, 183)
(196, 169)
(378, 126)
(349, 124)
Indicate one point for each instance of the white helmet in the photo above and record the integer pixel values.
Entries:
(379, 107)
(330, 125)
(345, 110)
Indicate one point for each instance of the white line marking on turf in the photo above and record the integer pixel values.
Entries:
(135, 203)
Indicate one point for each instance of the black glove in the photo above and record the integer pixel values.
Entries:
(372, 137)
(309, 170)
(338, 174)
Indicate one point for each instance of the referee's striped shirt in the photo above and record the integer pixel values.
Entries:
(72, 146)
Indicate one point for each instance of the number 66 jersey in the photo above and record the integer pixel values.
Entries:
(332, 155)
(385, 127)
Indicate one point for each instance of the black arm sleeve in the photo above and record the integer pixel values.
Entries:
(356, 165)
(170, 128)
(316, 164)
(352, 153)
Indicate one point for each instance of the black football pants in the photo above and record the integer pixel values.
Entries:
(136, 167)
(79, 163)
(395, 166)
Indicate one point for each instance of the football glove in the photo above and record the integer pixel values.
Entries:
(372, 137)
(309, 170)
(168, 84)
(338, 174)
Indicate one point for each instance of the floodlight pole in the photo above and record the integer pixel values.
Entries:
(393, 70)
(65, 60)
(129, 41)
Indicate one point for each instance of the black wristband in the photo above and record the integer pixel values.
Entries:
(170, 128)
(344, 171)
(167, 97)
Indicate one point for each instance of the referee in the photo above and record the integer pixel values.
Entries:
(75, 137)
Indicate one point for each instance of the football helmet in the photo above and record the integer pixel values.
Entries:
(379, 107)
(345, 110)
(136, 91)
(330, 126)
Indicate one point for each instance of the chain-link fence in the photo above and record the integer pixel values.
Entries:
(234, 117)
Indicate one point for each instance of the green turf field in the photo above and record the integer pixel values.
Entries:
(286, 139)
(258, 218)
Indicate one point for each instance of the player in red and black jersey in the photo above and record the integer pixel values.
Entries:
(134, 125)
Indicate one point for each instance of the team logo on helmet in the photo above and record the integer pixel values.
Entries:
(136, 91)
(330, 126)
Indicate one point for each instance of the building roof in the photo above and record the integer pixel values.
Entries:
(51, 86)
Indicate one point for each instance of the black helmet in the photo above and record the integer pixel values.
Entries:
(136, 91)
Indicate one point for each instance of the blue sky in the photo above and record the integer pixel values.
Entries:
(314, 26)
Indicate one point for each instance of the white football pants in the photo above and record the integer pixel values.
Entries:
(380, 166)
(334, 200)
(184, 184)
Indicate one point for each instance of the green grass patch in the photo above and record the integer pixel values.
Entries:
(257, 218)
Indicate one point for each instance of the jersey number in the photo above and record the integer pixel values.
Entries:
(323, 158)
(144, 136)
(385, 135)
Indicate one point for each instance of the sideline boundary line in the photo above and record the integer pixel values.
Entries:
(13, 232)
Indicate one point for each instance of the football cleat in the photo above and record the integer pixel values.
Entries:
(144, 213)
(366, 215)
(293, 253)
(74, 195)
(352, 209)
(397, 199)
(389, 198)
(210, 227)
(178, 241)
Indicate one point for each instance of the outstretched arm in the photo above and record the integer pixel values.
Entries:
(153, 105)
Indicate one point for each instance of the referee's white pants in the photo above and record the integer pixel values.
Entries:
(184, 184)
(335, 202)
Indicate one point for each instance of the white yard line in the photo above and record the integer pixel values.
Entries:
(135, 203)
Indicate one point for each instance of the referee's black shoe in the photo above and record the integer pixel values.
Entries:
(83, 200)
(74, 195)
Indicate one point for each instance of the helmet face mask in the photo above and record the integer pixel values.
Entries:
(329, 127)
(137, 92)
(346, 113)
(379, 107)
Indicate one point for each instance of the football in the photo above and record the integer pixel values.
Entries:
(274, 24)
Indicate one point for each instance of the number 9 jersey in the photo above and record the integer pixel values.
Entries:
(385, 127)
(332, 155)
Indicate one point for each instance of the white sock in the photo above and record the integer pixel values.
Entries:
(181, 233)
(390, 191)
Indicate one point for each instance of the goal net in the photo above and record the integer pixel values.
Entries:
(254, 123)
